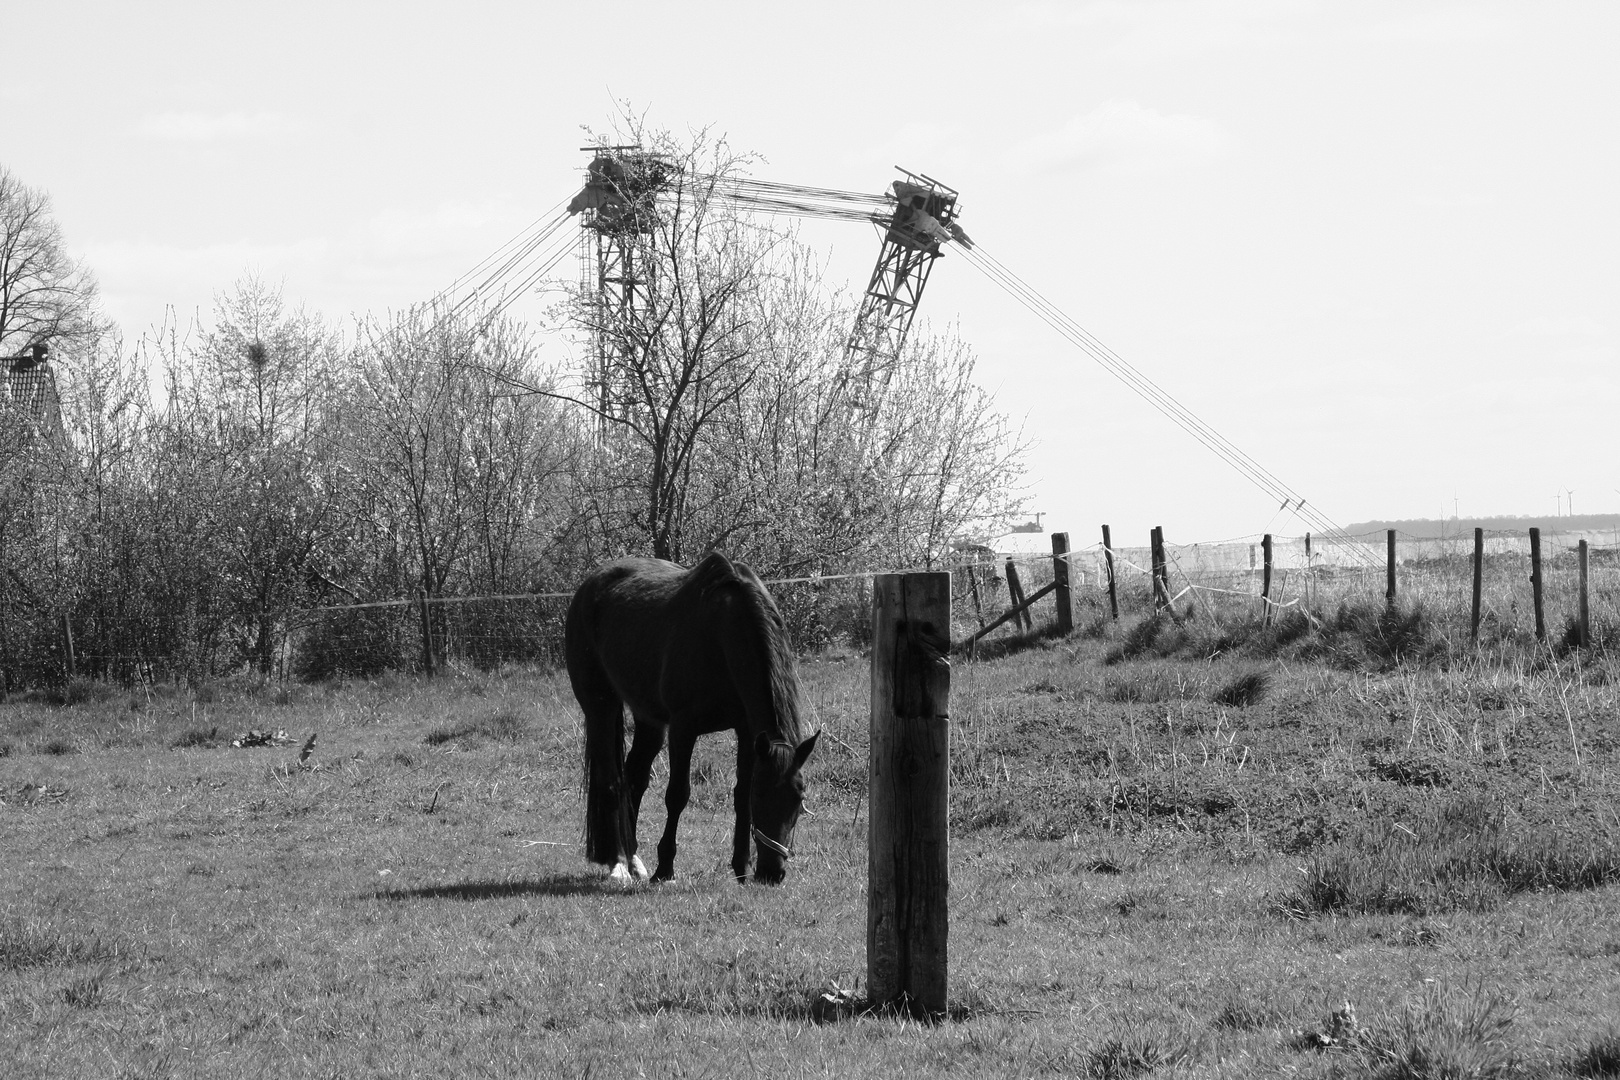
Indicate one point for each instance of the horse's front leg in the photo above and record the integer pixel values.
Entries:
(675, 797)
(741, 840)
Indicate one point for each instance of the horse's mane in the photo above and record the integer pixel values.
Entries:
(717, 572)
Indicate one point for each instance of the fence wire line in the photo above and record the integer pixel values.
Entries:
(1018, 558)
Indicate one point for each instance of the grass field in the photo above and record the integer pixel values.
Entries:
(1161, 863)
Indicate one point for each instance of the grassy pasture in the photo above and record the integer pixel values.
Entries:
(1162, 864)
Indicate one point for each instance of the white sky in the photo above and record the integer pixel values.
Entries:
(1373, 244)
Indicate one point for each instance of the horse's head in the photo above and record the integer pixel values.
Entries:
(776, 796)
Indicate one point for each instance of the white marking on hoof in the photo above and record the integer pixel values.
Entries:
(638, 868)
(620, 874)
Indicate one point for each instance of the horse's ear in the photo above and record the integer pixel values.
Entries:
(802, 754)
(762, 746)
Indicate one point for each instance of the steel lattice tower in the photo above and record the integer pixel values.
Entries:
(924, 217)
(619, 201)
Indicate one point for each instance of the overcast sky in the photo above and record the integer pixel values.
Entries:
(1374, 244)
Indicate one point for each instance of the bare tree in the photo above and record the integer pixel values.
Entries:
(46, 296)
(468, 474)
(267, 376)
(669, 364)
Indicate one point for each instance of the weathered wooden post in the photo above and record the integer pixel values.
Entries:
(1535, 582)
(1265, 581)
(427, 633)
(1161, 575)
(1389, 573)
(973, 587)
(1015, 593)
(908, 846)
(1108, 557)
(1585, 626)
(1060, 578)
(1479, 581)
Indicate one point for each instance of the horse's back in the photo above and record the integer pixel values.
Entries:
(634, 619)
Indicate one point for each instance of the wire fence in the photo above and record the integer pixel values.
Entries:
(1222, 581)
(1226, 581)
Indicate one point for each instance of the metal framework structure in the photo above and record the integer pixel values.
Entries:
(619, 206)
(924, 217)
(915, 216)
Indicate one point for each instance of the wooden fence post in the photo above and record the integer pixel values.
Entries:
(1265, 582)
(67, 647)
(1310, 574)
(1479, 581)
(973, 587)
(1585, 625)
(1108, 557)
(1015, 591)
(1389, 573)
(427, 633)
(1060, 578)
(1161, 575)
(908, 846)
(1535, 582)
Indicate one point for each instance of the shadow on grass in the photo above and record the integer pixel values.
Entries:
(995, 648)
(563, 885)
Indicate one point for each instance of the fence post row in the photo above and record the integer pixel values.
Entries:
(1535, 582)
(1108, 557)
(1060, 578)
(908, 845)
(1265, 582)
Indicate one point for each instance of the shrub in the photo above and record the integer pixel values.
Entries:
(1600, 1057)
(1238, 1013)
(1139, 640)
(1245, 690)
(1117, 1059)
(1462, 855)
(506, 725)
(1444, 1033)
(195, 737)
(359, 642)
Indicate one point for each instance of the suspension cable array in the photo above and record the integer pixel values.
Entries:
(802, 201)
(517, 266)
(1155, 395)
(526, 260)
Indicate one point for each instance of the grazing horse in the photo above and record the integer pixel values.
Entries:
(690, 652)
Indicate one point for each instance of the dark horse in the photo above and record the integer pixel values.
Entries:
(690, 652)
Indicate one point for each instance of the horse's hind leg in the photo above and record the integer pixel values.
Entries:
(680, 789)
(607, 802)
(644, 748)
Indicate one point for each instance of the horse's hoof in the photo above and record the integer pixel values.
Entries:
(620, 875)
(638, 868)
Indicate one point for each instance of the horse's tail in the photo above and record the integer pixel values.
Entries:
(604, 784)
(605, 804)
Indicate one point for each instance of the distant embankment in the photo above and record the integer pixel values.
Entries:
(1437, 529)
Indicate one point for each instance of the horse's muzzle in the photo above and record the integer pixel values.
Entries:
(771, 875)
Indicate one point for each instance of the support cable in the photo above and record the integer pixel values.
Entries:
(1160, 399)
